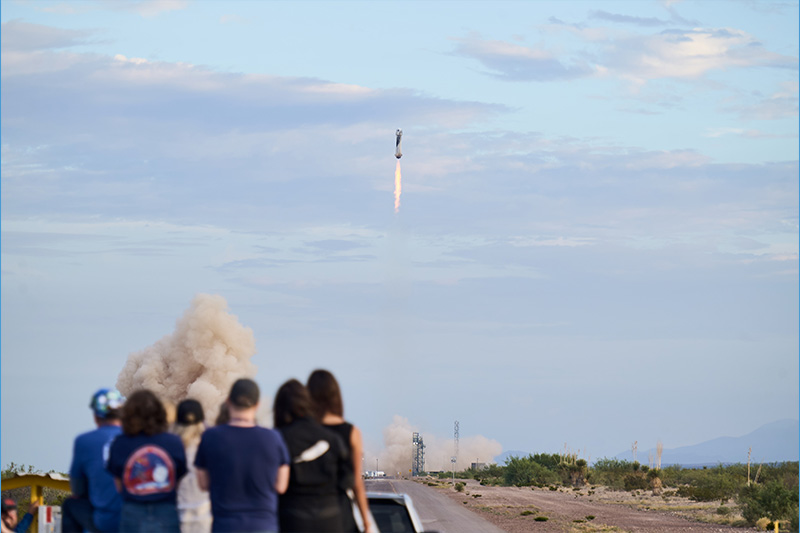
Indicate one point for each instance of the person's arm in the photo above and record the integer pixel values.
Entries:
(282, 479)
(202, 478)
(360, 491)
(25, 523)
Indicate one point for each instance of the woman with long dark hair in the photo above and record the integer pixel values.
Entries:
(147, 462)
(318, 465)
(325, 392)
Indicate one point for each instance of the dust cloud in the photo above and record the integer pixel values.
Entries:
(396, 455)
(201, 359)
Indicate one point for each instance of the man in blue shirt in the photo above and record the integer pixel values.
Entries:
(95, 504)
(243, 466)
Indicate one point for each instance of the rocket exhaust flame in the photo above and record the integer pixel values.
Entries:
(398, 185)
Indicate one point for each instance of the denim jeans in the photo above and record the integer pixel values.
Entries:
(160, 517)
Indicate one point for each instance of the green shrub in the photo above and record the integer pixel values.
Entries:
(611, 472)
(524, 472)
(460, 487)
(541, 519)
(526, 513)
(636, 481)
(771, 500)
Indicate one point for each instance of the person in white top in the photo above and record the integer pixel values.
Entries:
(194, 505)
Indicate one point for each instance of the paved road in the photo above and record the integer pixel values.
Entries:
(437, 512)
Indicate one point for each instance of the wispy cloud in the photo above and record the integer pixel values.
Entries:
(144, 8)
(232, 19)
(19, 36)
(678, 54)
(747, 133)
(781, 104)
(515, 62)
(688, 54)
(147, 8)
(627, 19)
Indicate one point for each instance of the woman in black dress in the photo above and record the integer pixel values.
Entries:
(319, 465)
(327, 396)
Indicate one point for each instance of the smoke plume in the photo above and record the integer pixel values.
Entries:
(201, 359)
(396, 455)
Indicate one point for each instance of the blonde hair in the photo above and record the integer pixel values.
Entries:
(190, 435)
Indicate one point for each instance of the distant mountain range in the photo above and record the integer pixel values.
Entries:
(771, 443)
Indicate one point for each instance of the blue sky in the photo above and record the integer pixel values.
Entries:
(598, 234)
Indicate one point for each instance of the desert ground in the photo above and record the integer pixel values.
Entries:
(590, 509)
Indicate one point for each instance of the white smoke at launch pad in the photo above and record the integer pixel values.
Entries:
(396, 455)
(201, 359)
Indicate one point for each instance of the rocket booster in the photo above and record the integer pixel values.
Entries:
(397, 151)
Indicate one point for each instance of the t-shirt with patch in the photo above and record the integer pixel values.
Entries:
(148, 466)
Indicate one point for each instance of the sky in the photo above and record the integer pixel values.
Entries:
(596, 243)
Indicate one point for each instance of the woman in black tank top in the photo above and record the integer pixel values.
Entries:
(325, 392)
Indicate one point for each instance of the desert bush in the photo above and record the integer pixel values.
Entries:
(611, 472)
(541, 519)
(636, 481)
(772, 500)
(524, 472)
(460, 487)
(491, 475)
(551, 461)
(762, 523)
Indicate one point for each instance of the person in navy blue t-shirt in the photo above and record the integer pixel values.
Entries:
(243, 466)
(147, 462)
(95, 503)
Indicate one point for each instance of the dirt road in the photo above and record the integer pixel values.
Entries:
(435, 509)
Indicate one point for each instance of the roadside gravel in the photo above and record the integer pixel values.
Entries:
(579, 511)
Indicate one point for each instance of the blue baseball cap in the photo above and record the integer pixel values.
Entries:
(105, 401)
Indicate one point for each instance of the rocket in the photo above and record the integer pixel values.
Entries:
(397, 153)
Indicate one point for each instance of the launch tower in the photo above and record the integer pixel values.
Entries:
(417, 454)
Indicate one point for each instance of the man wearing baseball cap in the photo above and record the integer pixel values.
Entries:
(95, 504)
(9, 516)
(243, 466)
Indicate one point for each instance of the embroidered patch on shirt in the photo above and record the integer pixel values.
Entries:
(149, 470)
